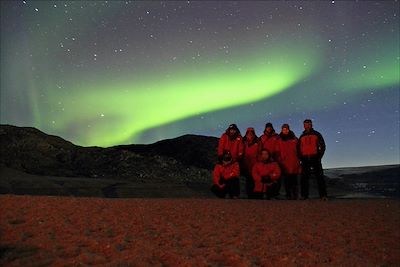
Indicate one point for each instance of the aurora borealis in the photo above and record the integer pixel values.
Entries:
(118, 72)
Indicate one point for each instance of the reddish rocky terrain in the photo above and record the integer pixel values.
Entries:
(67, 231)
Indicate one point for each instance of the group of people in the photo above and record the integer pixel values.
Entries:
(269, 160)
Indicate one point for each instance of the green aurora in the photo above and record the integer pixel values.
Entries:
(117, 111)
(120, 110)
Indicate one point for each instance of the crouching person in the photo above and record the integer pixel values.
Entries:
(266, 175)
(226, 177)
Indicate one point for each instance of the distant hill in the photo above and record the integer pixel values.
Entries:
(192, 150)
(368, 181)
(32, 151)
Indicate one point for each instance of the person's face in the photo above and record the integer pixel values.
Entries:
(285, 131)
(264, 155)
(307, 126)
(268, 129)
(232, 131)
(250, 135)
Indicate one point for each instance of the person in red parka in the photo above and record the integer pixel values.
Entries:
(251, 148)
(311, 149)
(266, 173)
(269, 140)
(231, 141)
(289, 161)
(226, 177)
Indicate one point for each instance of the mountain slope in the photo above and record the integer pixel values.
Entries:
(192, 150)
(32, 151)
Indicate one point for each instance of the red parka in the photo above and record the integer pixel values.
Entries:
(270, 143)
(311, 144)
(264, 169)
(288, 156)
(233, 145)
(250, 154)
(226, 172)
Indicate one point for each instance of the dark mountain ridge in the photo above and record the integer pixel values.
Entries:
(192, 150)
(32, 151)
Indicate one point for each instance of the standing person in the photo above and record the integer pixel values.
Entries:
(266, 173)
(231, 141)
(226, 177)
(311, 149)
(251, 148)
(289, 161)
(269, 140)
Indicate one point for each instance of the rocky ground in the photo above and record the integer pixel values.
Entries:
(66, 231)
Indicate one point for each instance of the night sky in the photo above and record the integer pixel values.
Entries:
(108, 73)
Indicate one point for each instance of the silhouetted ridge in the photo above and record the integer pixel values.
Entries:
(193, 150)
(32, 151)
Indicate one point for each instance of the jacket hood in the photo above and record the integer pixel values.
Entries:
(237, 134)
(233, 126)
(250, 130)
(268, 124)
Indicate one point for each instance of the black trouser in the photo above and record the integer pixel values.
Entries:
(312, 165)
(278, 187)
(232, 188)
(291, 186)
(249, 186)
(271, 191)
